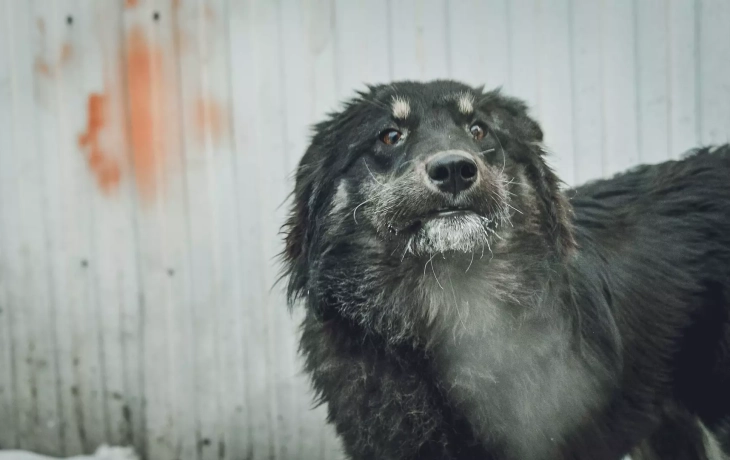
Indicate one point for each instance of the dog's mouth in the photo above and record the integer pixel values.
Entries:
(448, 212)
(442, 214)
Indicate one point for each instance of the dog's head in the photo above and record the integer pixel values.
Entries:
(409, 170)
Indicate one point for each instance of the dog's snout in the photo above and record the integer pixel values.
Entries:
(452, 172)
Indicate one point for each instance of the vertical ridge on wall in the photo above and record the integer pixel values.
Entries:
(424, 35)
(478, 40)
(714, 71)
(28, 267)
(619, 90)
(683, 84)
(100, 56)
(308, 76)
(238, 434)
(587, 76)
(360, 60)
(9, 432)
(652, 79)
(523, 44)
(186, 23)
(555, 86)
(61, 80)
(244, 53)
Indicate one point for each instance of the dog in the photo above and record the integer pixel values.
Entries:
(461, 303)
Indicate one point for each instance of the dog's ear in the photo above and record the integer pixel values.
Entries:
(297, 233)
(301, 225)
(510, 115)
(555, 206)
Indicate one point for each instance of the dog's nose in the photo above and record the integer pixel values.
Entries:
(451, 172)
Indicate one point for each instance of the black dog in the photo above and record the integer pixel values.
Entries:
(460, 305)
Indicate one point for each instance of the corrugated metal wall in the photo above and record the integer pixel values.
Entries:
(146, 147)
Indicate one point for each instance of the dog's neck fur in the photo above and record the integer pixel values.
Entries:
(505, 345)
(508, 359)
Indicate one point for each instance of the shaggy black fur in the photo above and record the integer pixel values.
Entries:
(522, 325)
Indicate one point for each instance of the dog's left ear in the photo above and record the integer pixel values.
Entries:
(557, 210)
(510, 115)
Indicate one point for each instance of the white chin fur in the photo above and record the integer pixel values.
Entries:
(461, 233)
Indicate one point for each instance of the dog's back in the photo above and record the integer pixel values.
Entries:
(665, 231)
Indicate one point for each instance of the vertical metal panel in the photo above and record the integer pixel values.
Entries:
(619, 85)
(652, 61)
(100, 63)
(64, 87)
(587, 75)
(683, 70)
(362, 45)
(146, 152)
(478, 42)
(9, 399)
(522, 37)
(28, 257)
(555, 93)
(714, 68)
(423, 35)
(308, 72)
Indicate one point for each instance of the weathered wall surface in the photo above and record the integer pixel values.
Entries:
(146, 147)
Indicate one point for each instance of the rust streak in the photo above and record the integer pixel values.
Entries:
(145, 80)
(210, 120)
(105, 168)
(67, 53)
(42, 67)
(49, 69)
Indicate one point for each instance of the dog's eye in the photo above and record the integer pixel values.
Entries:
(477, 131)
(391, 136)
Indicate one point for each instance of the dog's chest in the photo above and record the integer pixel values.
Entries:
(518, 385)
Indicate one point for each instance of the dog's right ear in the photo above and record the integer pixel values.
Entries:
(300, 228)
(296, 232)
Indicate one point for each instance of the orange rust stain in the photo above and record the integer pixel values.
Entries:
(105, 168)
(176, 4)
(42, 67)
(67, 53)
(210, 120)
(131, 3)
(145, 80)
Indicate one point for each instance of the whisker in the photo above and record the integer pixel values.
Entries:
(373, 175)
(426, 265)
(354, 211)
(408, 245)
(470, 262)
(433, 270)
(513, 208)
(456, 304)
(504, 154)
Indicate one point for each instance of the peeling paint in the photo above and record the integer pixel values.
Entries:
(106, 170)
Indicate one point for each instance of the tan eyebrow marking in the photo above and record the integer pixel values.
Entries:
(400, 107)
(465, 103)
